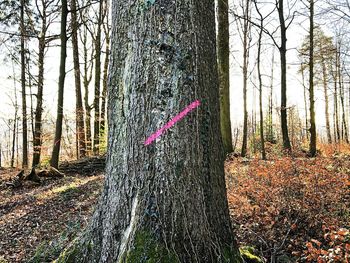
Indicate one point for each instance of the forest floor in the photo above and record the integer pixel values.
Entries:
(42, 219)
(291, 209)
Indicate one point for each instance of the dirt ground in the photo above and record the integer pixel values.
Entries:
(289, 209)
(33, 215)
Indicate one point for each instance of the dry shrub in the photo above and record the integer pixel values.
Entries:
(280, 205)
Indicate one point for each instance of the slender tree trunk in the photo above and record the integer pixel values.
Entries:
(325, 90)
(313, 135)
(283, 52)
(246, 31)
(336, 111)
(14, 131)
(23, 84)
(165, 202)
(105, 70)
(341, 94)
(31, 97)
(305, 103)
(86, 82)
(223, 51)
(79, 110)
(97, 122)
(262, 138)
(37, 140)
(58, 133)
(270, 127)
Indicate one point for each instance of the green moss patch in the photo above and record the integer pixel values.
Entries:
(247, 254)
(148, 249)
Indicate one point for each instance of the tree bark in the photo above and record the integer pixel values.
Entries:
(261, 113)
(14, 129)
(283, 51)
(23, 84)
(96, 147)
(105, 70)
(341, 94)
(165, 202)
(305, 101)
(37, 140)
(313, 136)
(79, 110)
(336, 111)
(246, 30)
(271, 136)
(62, 76)
(223, 48)
(86, 82)
(325, 90)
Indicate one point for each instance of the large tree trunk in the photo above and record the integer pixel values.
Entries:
(223, 48)
(283, 51)
(23, 84)
(165, 202)
(313, 136)
(79, 110)
(58, 133)
(96, 147)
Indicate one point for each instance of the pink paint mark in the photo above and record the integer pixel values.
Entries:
(171, 123)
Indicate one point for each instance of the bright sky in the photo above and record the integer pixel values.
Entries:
(295, 91)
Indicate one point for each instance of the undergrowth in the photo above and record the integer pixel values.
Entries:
(293, 209)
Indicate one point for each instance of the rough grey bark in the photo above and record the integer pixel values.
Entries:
(313, 136)
(62, 75)
(223, 47)
(164, 202)
(79, 110)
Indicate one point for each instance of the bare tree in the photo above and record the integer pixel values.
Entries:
(23, 85)
(313, 135)
(261, 113)
(46, 13)
(106, 31)
(97, 41)
(58, 132)
(223, 51)
(79, 110)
